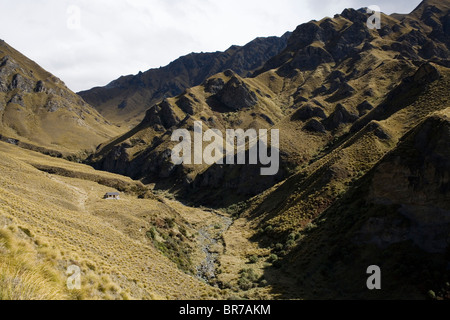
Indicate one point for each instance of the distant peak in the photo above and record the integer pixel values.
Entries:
(442, 5)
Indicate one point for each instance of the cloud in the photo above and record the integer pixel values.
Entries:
(113, 38)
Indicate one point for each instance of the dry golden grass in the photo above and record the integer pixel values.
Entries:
(24, 276)
(72, 127)
(75, 226)
(290, 206)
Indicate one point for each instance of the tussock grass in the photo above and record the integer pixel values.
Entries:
(22, 275)
(65, 221)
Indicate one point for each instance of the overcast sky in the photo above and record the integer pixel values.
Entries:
(88, 43)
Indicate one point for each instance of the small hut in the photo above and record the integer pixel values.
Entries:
(112, 196)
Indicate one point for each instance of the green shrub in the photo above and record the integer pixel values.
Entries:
(253, 259)
(151, 234)
(292, 236)
(170, 222)
(290, 243)
(248, 279)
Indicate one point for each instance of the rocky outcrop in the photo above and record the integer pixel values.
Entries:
(236, 95)
(214, 85)
(378, 130)
(314, 126)
(402, 95)
(310, 58)
(340, 116)
(161, 116)
(40, 87)
(363, 108)
(21, 83)
(17, 99)
(7, 67)
(189, 104)
(344, 91)
(308, 112)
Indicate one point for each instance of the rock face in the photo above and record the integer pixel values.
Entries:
(161, 116)
(236, 95)
(145, 89)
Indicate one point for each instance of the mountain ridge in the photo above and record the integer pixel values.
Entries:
(363, 117)
(329, 79)
(127, 98)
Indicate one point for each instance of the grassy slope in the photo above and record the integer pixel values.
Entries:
(67, 218)
(396, 226)
(286, 212)
(73, 127)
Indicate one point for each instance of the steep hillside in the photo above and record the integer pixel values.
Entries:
(397, 217)
(280, 220)
(363, 180)
(38, 111)
(125, 100)
(224, 101)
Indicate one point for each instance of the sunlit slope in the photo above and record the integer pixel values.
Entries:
(107, 239)
(38, 109)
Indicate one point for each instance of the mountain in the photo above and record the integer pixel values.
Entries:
(379, 198)
(125, 100)
(38, 111)
(328, 83)
(353, 189)
(363, 180)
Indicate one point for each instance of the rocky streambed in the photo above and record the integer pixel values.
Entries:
(211, 244)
